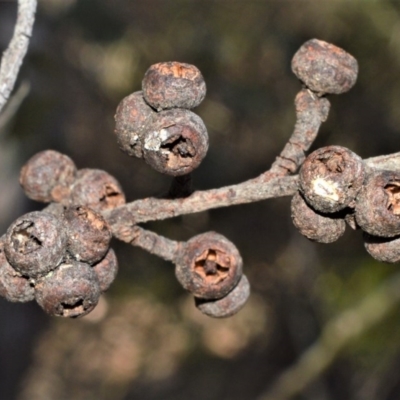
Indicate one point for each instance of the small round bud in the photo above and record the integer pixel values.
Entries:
(72, 290)
(35, 243)
(330, 178)
(313, 225)
(96, 189)
(210, 266)
(173, 85)
(13, 286)
(89, 235)
(227, 305)
(131, 119)
(325, 68)
(106, 270)
(378, 204)
(47, 176)
(176, 142)
(383, 249)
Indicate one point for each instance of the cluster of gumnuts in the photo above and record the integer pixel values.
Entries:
(156, 124)
(336, 187)
(61, 256)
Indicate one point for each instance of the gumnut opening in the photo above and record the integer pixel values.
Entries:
(106, 270)
(89, 235)
(325, 68)
(314, 225)
(96, 189)
(35, 243)
(210, 267)
(228, 305)
(72, 290)
(47, 176)
(131, 120)
(173, 85)
(330, 178)
(176, 142)
(13, 286)
(378, 204)
(383, 249)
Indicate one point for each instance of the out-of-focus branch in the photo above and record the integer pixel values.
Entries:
(14, 104)
(337, 334)
(12, 58)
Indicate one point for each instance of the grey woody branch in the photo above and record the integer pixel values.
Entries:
(12, 58)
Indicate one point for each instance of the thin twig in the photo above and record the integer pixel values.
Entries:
(337, 334)
(14, 104)
(12, 58)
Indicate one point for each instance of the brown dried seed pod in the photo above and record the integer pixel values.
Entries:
(173, 84)
(210, 266)
(72, 290)
(35, 243)
(131, 119)
(378, 204)
(176, 142)
(228, 305)
(106, 270)
(313, 225)
(330, 178)
(96, 189)
(47, 176)
(325, 68)
(383, 249)
(89, 235)
(13, 286)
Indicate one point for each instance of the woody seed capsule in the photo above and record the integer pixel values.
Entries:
(176, 142)
(13, 286)
(173, 85)
(96, 189)
(131, 120)
(325, 68)
(72, 290)
(210, 267)
(89, 235)
(35, 243)
(106, 270)
(228, 305)
(314, 225)
(378, 204)
(47, 176)
(383, 249)
(330, 178)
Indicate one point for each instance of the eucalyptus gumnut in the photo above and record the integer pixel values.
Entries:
(47, 176)
(176, 142)
(330, 178)
(13, 286)
(96, 189)
(35, 243)
(173, 85)
(131, 120)
(228, 305)
(383, 249)
(325, 68)
(314, 225)
(89, 235)
(378, 204)
(210, 266)
(106, 270)
(72, 290)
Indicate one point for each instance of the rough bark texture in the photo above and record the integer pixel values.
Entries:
(12, 58)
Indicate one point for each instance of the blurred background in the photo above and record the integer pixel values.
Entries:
(146, 340)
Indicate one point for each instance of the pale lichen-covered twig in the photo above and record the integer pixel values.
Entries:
(12, 58)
